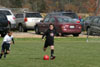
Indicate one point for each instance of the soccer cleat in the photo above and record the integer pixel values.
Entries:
(44, 49)
(53, 57)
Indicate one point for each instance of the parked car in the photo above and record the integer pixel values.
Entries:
(87, 22)
(68, 14)
(63, 25)
(27, 21)
(10, 16)
(71, 14)
(3, 24)
(94, 27)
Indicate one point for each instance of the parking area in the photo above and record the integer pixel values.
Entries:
(31, 34)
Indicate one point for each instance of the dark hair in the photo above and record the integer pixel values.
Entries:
(51, 24)
(9, 31)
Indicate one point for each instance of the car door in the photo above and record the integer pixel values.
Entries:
(94, 24)
(49, 21)
(52, 20)
(98, 26)
(19, 19)
(3, 20)
(44, 24)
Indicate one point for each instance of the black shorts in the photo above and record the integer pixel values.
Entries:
(5, 46)
(48, 43)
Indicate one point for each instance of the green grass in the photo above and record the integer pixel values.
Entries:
(70, 52)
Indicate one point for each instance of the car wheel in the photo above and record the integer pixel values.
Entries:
(3, 34)
(62, 34)
(20, 28)
(25, 30)
(75, 35)
(37, 30)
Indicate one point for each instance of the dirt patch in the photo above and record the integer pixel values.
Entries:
(31, 34)
(26, 35)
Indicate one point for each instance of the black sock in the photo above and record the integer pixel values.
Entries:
(52, 52)
(1, 55)
(6, 53)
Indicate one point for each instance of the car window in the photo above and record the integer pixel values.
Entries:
(61, 20)
(52, 20)
(99, 21)
(33, 15)
(2, 17)
(72, 15)
(87, 18)
(5, 12)
(95, 20)
(55, 14)
(19, 16)
(46, 20)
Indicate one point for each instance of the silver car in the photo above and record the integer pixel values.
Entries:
(10, 16)
(27, 21)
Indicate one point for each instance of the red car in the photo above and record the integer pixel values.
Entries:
(64, 25)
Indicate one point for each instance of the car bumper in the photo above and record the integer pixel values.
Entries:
(72, 31)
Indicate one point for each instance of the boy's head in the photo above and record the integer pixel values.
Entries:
(51, 26)
(9, 33)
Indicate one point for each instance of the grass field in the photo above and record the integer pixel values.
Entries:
(70, 52)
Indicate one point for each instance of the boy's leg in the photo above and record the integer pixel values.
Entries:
(45, 47)
(2, 51)
(7, 50)
(52, 52)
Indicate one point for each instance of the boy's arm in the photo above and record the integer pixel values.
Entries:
(55, 31)
(13, 41)
(44, 34)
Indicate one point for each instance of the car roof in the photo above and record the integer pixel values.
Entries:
(4, 9)
(30, 12)
(26, 12)
(62, 16)
(59, 12)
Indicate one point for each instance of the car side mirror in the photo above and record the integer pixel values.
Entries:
(41, 21)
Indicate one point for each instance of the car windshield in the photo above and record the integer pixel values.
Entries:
(72, 15)
(65, 20)
(5, 12)
(33, 15)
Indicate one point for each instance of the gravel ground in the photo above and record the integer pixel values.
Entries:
(26, 35)
(31, 34)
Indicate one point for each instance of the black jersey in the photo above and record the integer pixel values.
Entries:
(49, 35)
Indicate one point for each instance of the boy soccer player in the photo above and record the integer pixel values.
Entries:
(49, 34)
(7, 41)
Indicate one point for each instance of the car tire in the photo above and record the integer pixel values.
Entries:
(3, 34)
(75, 35)
(37, 30)
(20, 28)
(25, 30)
